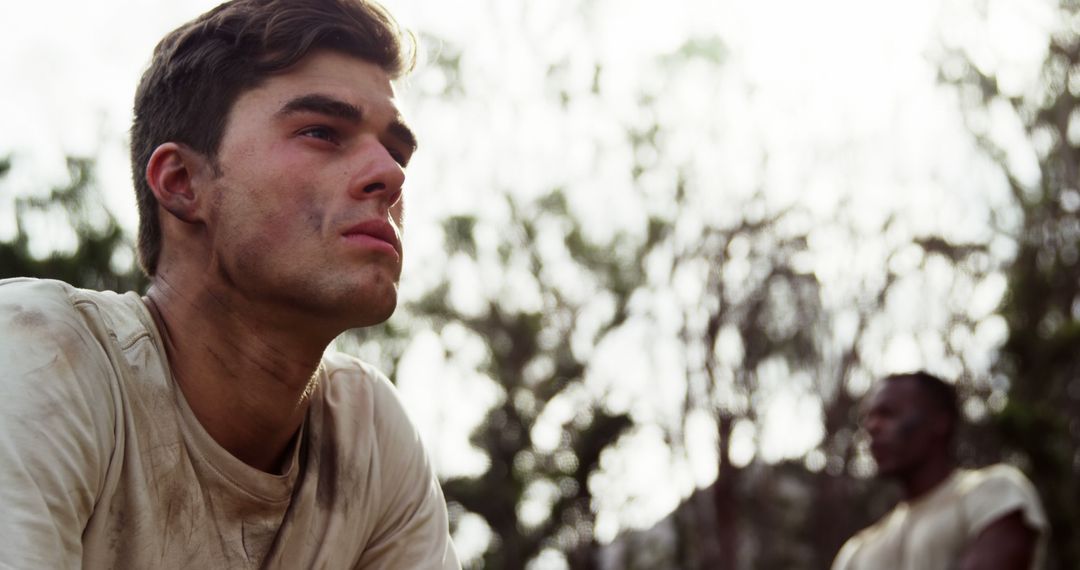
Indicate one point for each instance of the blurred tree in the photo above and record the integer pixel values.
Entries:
(101, 259)
(769, 317)
(532, 357)
(750, 313)
(1040, 364)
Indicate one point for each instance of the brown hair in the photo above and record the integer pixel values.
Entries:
(199, 70)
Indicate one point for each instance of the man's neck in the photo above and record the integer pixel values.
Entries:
(246, 379)
(925, 479)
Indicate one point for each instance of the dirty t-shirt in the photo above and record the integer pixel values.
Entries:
(931, 532)
(103, 464)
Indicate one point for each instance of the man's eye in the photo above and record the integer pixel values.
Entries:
(321, 133)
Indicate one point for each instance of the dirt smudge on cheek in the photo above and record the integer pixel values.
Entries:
(280, 229)
(314, 215)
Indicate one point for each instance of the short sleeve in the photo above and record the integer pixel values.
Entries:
(997, 491)
(843, 560)
(413, 530)
(54, 445)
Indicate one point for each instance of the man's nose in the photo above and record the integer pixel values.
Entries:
(378, 174)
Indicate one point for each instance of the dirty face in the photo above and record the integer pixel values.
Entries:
(306, 204)
(904, 428)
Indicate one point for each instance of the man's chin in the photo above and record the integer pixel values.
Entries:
(358, 307)
(371, 316)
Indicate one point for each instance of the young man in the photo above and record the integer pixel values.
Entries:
(202, 425)
(949, 518)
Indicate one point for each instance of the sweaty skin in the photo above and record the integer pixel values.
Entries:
(1007, 544)
(908, 441)
(289, 238)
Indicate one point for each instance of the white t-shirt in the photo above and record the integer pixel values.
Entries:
(931, 532)
(104, 465)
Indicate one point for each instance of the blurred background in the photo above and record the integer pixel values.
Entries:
(657, 252)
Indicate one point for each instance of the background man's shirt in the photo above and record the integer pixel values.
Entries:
(931, 532)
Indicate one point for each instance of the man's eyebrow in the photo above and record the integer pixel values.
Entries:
(323, 105)
(403, 133)
(331, 107)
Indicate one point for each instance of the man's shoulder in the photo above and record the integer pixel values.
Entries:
(56, 298)
(349, 373)
(37, 308)
(994, 478)
(362, 391)
(57, 418)
(55, 364)
(355, 382)
(33, 310)
(846, 557)
(994, 491)
(35, 294)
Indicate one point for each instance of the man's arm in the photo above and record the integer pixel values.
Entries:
(1006, 544)
(413, 531)
(1004, 519)
(53, 446)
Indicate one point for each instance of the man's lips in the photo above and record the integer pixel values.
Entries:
(380, 230)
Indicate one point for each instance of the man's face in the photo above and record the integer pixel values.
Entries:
(306, 210)
(903, 428)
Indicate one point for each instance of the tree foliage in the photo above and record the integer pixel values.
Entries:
(100, 241)
(532, 357)
(1040, 424)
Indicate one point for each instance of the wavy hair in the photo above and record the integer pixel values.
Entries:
(201, 68)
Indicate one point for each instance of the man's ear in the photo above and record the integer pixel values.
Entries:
(173, 173)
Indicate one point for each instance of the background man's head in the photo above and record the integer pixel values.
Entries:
(200, 69)
(911, 419)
